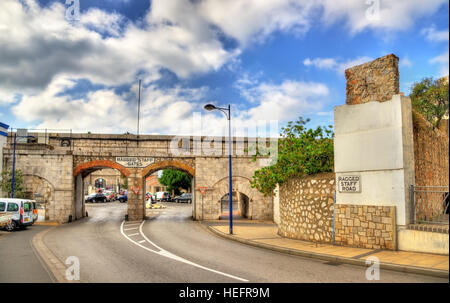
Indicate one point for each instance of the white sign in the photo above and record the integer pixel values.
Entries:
(349, 184)
(136, 162)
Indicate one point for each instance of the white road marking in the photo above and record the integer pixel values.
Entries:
(169, 255)
(142, 241)
(133, 234)
(131, 228)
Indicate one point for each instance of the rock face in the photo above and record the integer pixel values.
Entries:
(377, 80)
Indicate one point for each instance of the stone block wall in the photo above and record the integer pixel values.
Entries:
(365, 226)
(430, 153)
(377, 80)
(306, 208)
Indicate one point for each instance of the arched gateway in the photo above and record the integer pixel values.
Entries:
(64, 161)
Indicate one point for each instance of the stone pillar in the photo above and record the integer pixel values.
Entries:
(135, 203)
(374, 140)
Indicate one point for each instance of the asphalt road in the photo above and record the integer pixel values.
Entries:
(170, 247)
(18, 262)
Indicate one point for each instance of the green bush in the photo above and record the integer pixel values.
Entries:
(301, 152)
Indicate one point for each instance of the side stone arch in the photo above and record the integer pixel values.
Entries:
(43, 191)
(258, 204)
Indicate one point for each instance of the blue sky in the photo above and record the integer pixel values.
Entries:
(272, 60)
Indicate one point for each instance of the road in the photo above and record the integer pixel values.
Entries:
(170, 247)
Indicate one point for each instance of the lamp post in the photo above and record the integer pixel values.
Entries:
(227, 112)
(14, 167)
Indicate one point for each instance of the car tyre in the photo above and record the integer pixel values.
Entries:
(11, 226)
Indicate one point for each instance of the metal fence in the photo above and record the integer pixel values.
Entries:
(430, 204)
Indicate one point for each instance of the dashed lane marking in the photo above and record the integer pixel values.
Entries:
(167, 254)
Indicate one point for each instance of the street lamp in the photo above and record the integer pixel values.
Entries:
(227, 112)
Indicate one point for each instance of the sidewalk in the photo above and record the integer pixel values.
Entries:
(265, 235)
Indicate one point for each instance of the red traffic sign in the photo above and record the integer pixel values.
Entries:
(202, 189)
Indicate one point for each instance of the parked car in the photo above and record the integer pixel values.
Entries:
(150, 197)
(186, 197)
(100, 197)
(5, 218)
(123, 198)
(21, 211)
(163, 196)
(35, 211)
(110, 197)
(89, 198)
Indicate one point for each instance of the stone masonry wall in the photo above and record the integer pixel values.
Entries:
(377, 80)
(306, 208)
(365, 226)
(430, 153)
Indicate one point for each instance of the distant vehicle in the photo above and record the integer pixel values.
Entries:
(100, 198)
(186, 197)
(163, 196)
(21, 211)
(5, 218)
(35, 211)
(150, 197)
(123, 198)
(89, 198)
(110, 197)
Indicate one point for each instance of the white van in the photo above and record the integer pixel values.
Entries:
(163, 196)
(21, 211)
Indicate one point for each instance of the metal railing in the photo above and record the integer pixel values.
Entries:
(429, 204)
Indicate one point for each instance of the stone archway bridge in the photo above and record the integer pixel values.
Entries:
(62, 161)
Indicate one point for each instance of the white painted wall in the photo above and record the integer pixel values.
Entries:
(423, 241)
(374, 140)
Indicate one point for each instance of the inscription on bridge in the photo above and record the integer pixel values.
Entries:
(134, 162)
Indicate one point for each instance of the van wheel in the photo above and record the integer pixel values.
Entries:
(11, 226)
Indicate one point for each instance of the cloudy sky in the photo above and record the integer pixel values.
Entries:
(269, 59)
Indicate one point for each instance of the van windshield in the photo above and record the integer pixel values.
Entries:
(2, 206)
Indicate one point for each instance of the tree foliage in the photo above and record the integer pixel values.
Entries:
(430, 98)
(301, 151)
(6, 183)
(174, 180)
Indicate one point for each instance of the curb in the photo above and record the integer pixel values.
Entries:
(46, 223)
(48, 258)
(332, 258)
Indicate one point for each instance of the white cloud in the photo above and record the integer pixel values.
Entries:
(377, 14)
(433, 35)
(321, 63)
(405, 62)
(337, 65)
(286, 101)
(444, 63)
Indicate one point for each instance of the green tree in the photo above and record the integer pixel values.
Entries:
(124, 183)
(6, 183)
(174, 180)
(301, 151)
(430, 98)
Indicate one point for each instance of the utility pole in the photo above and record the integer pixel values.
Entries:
(139, 109)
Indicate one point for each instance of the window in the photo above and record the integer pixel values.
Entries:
(12, 207)
(27, 207)
(2, 206)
